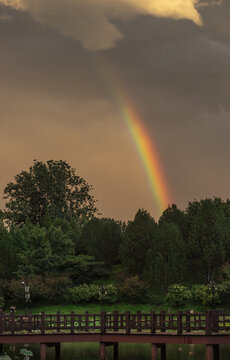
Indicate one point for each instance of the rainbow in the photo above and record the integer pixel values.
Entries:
(143, 143)
(148, 155)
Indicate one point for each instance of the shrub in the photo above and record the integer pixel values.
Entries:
(207, 294)
(2, 302)
(177, 295)
(85, 294)
(109, 295)
(132, 289)
(47, 288)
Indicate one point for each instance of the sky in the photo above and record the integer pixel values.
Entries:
(69, 68)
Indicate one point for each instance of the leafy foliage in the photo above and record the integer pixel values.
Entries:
(50, 189)
(138, 238)
(92, 293)
(101, 238)
(2, 302)
(47, 288)
(132, 289)
(207, 294)
(177, 295)
(209, 235)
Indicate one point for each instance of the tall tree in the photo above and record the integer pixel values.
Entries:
(138, 238)
(48, 189)
(101, 238)
(176, 216)
(8, 263)
(166, 258)
(209, 237)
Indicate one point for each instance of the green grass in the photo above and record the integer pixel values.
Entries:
(96, 308)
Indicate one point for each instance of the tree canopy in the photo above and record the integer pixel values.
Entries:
(50, 189)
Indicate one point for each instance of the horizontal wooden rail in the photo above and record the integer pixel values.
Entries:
(127, 323)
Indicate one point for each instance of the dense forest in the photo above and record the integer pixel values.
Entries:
(52, 236)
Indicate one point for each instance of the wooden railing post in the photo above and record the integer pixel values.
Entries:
(30, 325)
(153, 322)
(179, 323)
(42, 323)
(58, 321)
(115, 321)
(188, 327)
(103, 322)
(86, 321)
(215, 320)
(72, 322)
(139, 321)
(12, 322)
(127, 322)
(162, 321)
(1, 322)
(208, 322)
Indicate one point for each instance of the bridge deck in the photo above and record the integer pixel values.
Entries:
(211, 329)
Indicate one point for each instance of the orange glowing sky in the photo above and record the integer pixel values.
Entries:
(58, 101)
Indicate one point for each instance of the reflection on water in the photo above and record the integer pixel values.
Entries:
(90, 351)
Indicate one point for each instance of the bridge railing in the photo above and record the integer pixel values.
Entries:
(139, 322)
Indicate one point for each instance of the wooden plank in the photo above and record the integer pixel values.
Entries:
(42, 351)
(72, 322)
(115, 321)
(103, 322)
(154, 352)
(58, 321)
(102, 351)
(42, 323)
(188, 328)
(1, 322)
(179, 323)
(127, 322)
(162, 321)
(208, 323)
(86, 321)
(12, 322)
(139, 321)
(153, 322)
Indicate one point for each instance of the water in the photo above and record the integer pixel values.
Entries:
(90, 351)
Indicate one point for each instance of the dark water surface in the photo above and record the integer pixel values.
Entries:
(90, 351)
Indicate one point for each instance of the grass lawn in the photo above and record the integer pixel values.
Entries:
(95, 308)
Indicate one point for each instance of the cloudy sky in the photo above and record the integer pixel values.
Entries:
(62, 66)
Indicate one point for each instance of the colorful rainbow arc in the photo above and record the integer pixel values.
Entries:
(144, 144)
(148, 156)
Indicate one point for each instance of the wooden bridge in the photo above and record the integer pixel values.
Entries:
(109, 329)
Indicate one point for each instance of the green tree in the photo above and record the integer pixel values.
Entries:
(62, 248)
(166, 258)
(101, 238)
(8, 263)
(50, 189)
(209, 237)
(34, 253)
(139, 236)
(176, 216)
(84, 269)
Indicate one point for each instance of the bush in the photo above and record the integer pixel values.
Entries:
(85, 294)
(208, 294)
(47, 288)
(177, 295)
(109, 295)
(2, 302)
(132, 289)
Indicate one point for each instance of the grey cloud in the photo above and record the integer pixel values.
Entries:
(91, 21)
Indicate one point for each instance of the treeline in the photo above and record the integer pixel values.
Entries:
(51, 236)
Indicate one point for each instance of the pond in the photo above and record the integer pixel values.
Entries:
(90, 351)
